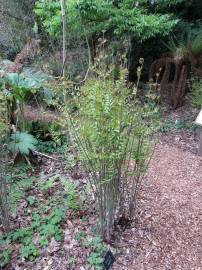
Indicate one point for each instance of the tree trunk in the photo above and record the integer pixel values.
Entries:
(133, 59)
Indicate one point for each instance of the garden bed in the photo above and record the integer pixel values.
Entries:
(54, 219)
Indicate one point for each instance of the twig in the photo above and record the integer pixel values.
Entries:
(44, 155)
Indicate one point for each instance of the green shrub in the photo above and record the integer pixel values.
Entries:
(197, 93)
(113, 136)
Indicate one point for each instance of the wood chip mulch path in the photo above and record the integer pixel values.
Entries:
(168, 230)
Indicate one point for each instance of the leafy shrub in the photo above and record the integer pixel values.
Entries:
(113, 136)
(89, 18)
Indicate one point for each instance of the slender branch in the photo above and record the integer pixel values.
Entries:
(64, 39)
(44, 155)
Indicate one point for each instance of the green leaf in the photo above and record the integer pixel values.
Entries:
(22, 142)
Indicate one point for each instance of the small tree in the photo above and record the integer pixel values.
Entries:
(113, 136)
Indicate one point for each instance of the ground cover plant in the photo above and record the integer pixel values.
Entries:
(44, 216)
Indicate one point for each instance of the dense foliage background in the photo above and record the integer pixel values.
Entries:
(138, 26)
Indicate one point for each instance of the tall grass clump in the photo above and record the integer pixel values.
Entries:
(112, 132)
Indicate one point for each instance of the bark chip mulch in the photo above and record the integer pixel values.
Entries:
(168, 230)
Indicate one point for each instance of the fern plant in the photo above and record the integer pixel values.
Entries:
(180, 45)
(22, 143)
(113, 138)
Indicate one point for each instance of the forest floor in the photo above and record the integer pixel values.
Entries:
(166, 233)
(168, 230)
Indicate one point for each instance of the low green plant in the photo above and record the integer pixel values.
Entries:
(50, 227)
(45, 185)
(32, 200)
(51, 230)
(5, 257)
(178, 124)
(97, 246)
(80, 235)
(56, 133)
(19, 183)
(43, 242)
(196, 95)
(73, 260)
(50, 147)
(95, 260)
(98, 250)
(23, 235)
(71, 194)
(29, 251)
(22, 143)
(46, 226)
